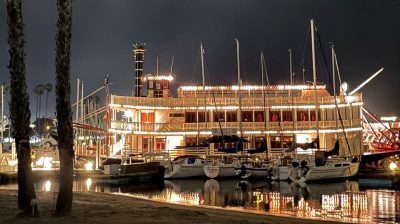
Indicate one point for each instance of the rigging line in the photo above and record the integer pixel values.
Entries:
(303, 56)
(265, 70)
(195, 68)
(214, 101)
(337, 68)
(331, 83)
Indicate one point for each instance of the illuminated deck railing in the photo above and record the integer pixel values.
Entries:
(247, 126)
(229, 103)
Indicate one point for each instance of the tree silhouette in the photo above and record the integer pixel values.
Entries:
(64, 114)
(48, 88)
(19, 108)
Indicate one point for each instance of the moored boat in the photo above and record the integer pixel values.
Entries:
(184, 167)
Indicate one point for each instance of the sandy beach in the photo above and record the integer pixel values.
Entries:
(107, 208)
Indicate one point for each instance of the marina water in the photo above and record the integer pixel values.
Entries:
(347, 201)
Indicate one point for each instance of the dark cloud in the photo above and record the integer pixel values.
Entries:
(366, 35)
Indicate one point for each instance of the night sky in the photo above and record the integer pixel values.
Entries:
(366, 35)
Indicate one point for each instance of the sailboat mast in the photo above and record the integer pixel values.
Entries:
(204, 84)
(262, 62)
(290, 91)
(263, 93)
(334, 82)
(290, 67)
(240, 88)
(314, 74)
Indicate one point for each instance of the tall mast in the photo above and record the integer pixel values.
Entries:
(290, 91)
(263, 94)
(240, 87)
(157, 67)
(314, 74)
(204, 83)
(290, 66)
(334, 82)
(262, 62)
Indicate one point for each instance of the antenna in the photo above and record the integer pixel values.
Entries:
(172, 65)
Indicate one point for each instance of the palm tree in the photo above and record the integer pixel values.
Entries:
(19, 108)
(38, 90)
(64, 113)
(48, 88)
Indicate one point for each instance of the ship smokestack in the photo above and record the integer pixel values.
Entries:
(138, 50)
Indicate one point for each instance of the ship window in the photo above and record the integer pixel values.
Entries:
(202, 140)
(302, 115)
(158, 86)
(247, 116)
(287, 116)
(191, 141)
(147, 117)
(338, 165)
(313, 117)
(346, 164)
(219, 116)
(258, 141)
(231, 116)
(190, 117)
(165, 84)
(145, 145)
(160, 144)
(158, 93)
(274, 116)
(275, 142)
(259, 116)
(201, 117)
(151, 84)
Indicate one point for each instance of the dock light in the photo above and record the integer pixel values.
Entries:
(89, 166)
(392, 166)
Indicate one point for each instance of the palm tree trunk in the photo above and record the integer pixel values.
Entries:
(47, 99)
(64, 114)
(19, 108)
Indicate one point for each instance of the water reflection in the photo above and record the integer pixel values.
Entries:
(335, 201)
(342, 201)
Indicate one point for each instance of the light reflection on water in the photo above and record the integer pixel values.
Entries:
(342, 201)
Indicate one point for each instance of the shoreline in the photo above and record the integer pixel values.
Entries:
(118, 208)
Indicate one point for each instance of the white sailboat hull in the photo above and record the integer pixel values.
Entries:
(252, 172)
(215, 171)
(328, 172)
(184, 171)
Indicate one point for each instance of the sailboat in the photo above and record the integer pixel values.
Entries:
(185, 167)
(254, 167)
(327, 165)
(225, 166)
